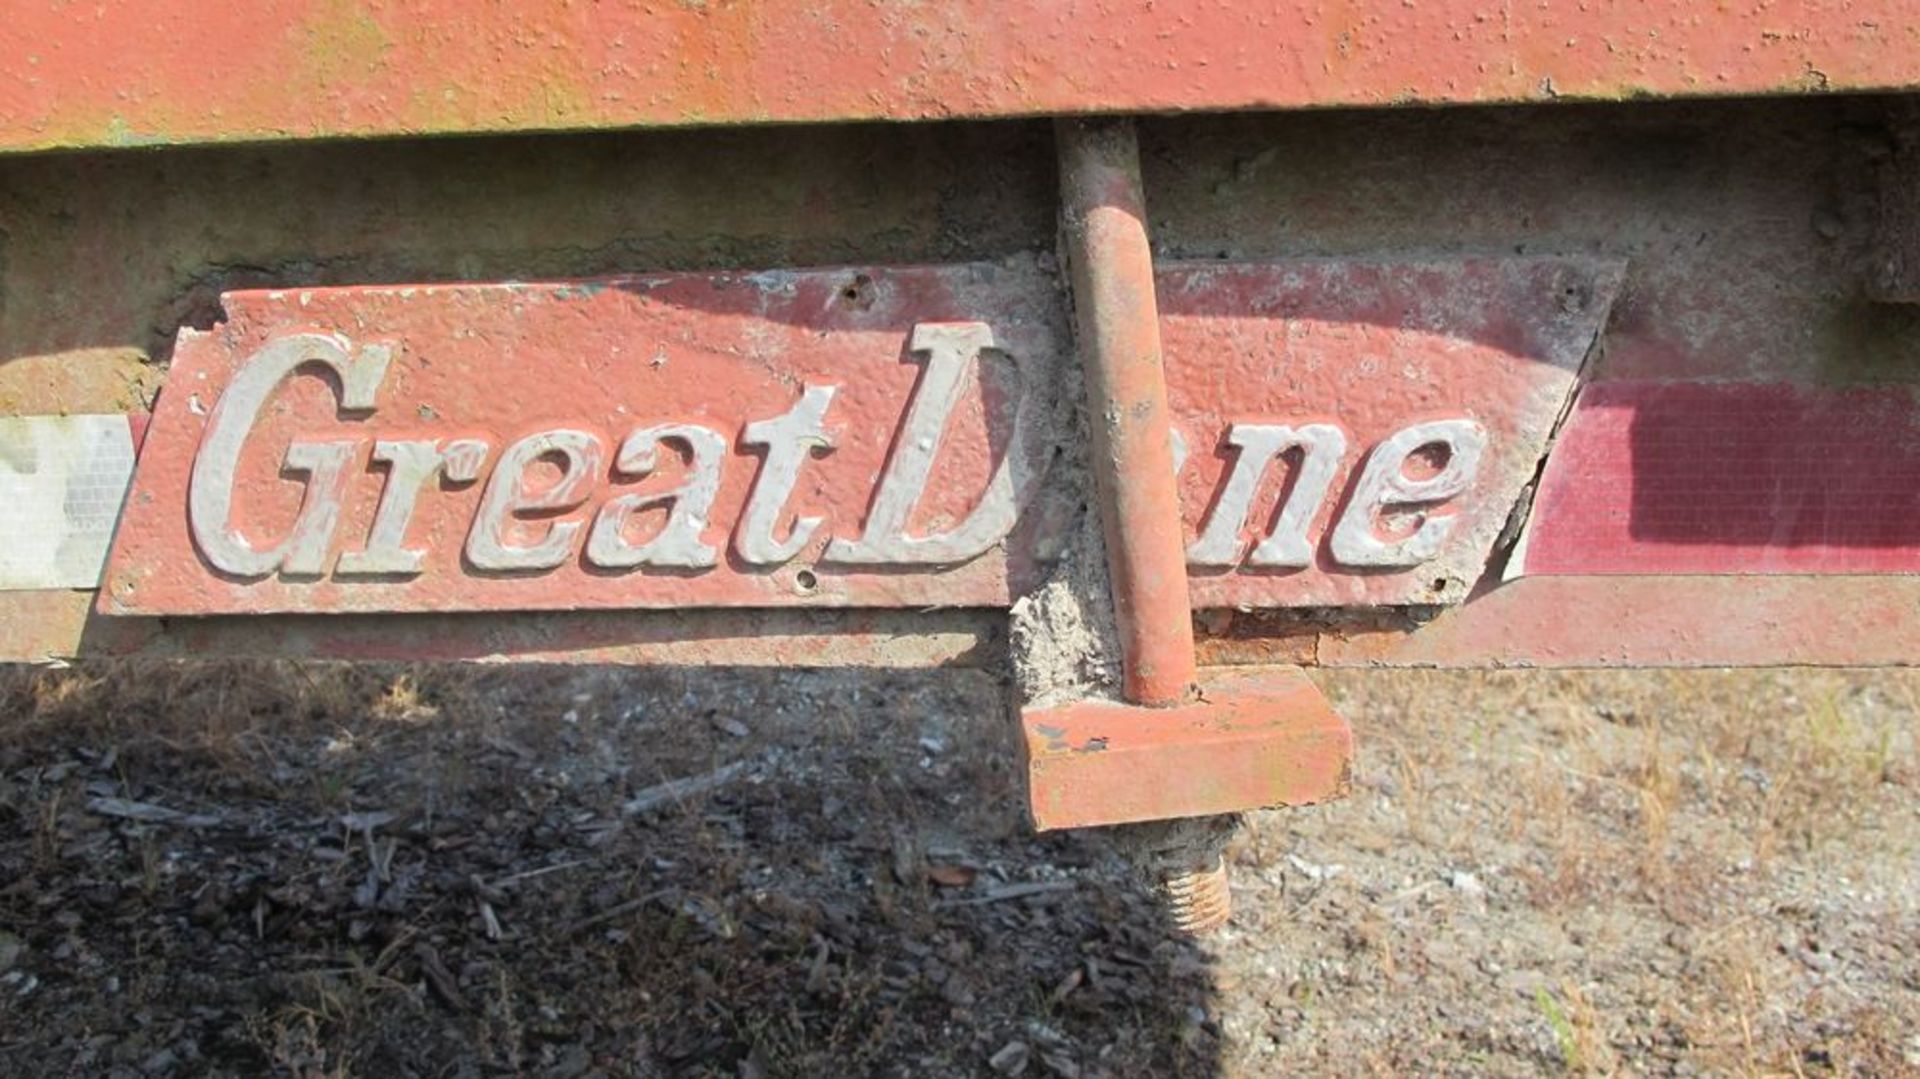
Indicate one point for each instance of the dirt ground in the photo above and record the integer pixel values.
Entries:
(249, 869)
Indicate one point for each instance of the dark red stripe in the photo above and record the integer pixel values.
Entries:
(1688, 477)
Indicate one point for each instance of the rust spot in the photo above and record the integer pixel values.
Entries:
(1264, 738)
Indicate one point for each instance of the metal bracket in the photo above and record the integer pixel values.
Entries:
(1180, 744)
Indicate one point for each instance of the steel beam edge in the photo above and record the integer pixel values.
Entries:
(51, 625)
(136, 72)
(1174, 747)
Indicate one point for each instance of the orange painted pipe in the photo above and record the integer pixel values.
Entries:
(1117, 327)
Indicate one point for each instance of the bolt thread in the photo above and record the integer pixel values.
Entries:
(1198, 898)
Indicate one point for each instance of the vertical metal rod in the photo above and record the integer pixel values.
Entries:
(1117, 327)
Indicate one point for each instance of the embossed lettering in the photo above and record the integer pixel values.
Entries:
(526, 519)
(1321, 446)
(411, 464)
(789, 441)
(303, 549)
(954, 352)
(1385, 487)
(678, 542)
(580, 455)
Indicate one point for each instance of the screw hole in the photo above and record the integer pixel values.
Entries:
(858, 292)
(805, 581)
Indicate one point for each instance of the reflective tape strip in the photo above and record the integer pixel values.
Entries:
(62, 482)
(1654, 477)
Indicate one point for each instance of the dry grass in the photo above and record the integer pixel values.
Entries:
(218, 716)
(1606, 869)
(1771, 762)
(1604, 874)
(1577, 1031)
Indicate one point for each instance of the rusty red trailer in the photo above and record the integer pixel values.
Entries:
(1182, 357)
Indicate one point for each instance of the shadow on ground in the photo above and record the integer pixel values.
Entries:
(247, 869)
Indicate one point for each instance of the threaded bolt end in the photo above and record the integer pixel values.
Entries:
(1198, 898)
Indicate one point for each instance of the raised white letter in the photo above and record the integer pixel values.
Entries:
(679, 542)
(410, 465)
(210, 490)
(788, 439)
(1385, 485)
(580, 453)
(1321, 447)
(953, 351)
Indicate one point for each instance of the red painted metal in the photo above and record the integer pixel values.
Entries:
(141, 72)
(1257, 738)
(1546, 622)
(1372, 348)
(715, 637)
(498, 362)
(137, 425)
(1656, 622)
(1169, 749)
(1683, 477)
(1118, 338)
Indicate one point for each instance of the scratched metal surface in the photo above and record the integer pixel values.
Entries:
(1379, 352)
(720, 355)
(1743, 224)
(140, 72)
